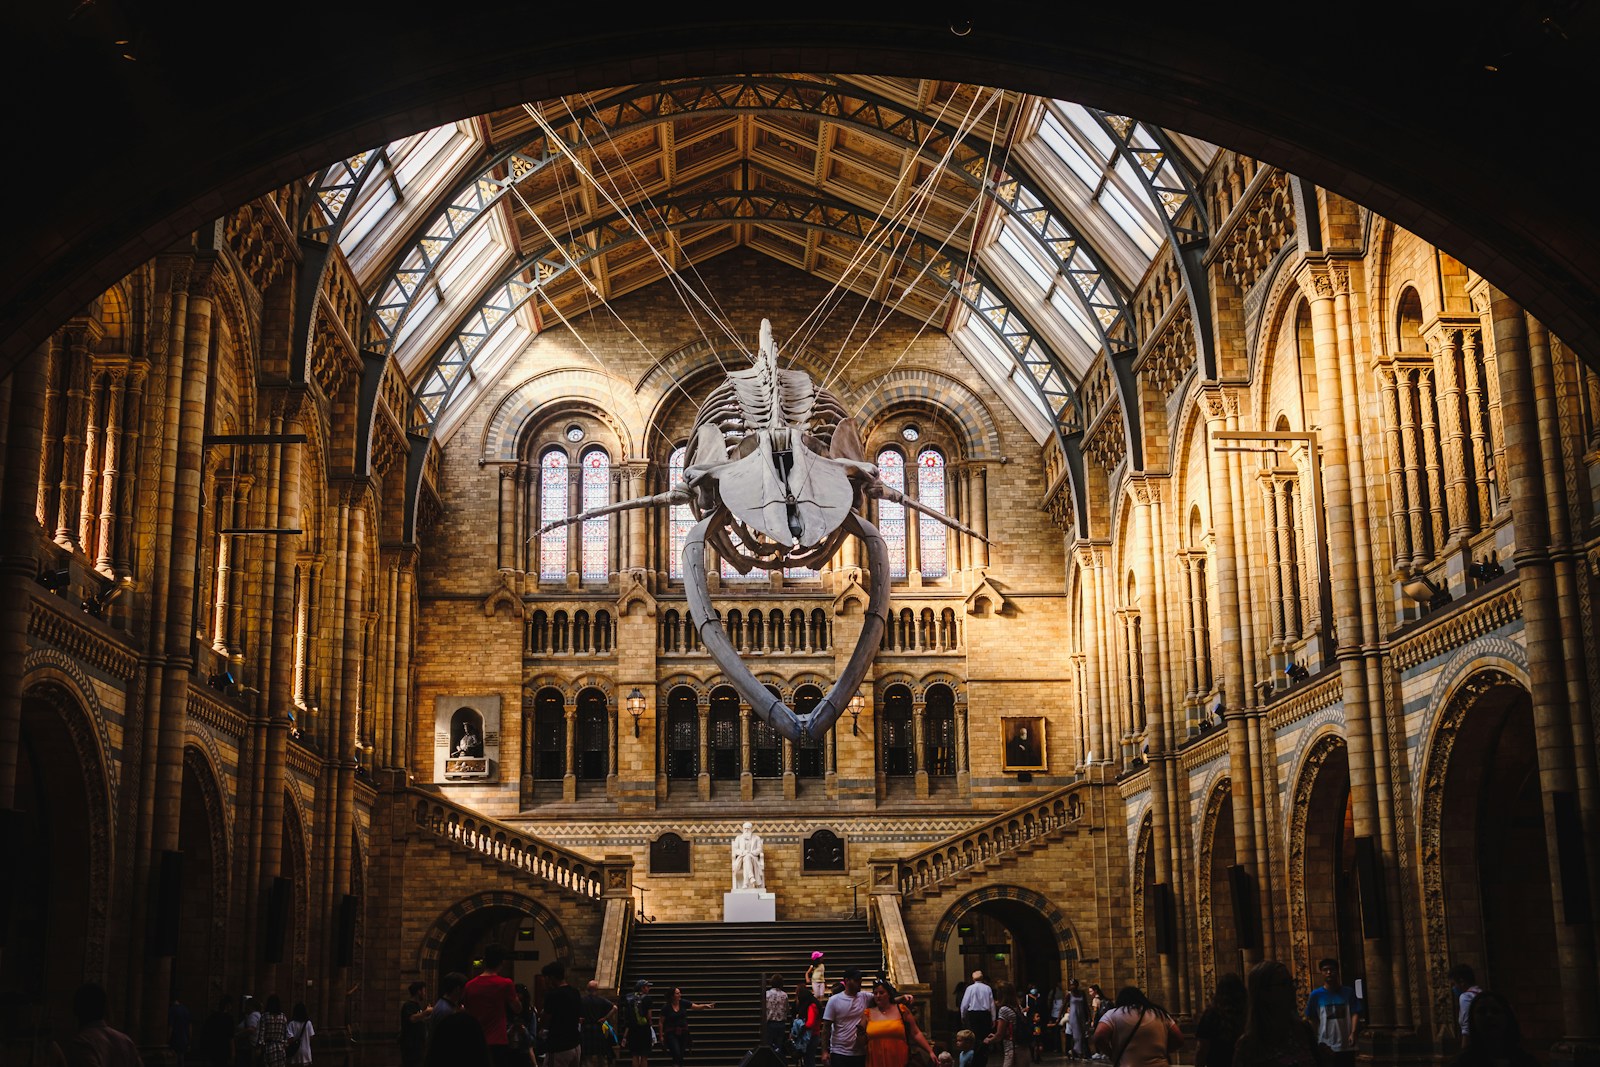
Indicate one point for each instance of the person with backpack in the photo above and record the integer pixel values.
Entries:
(1137, 1032)
(1004, 1035)
(639, 1035)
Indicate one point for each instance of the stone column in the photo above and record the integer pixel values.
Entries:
(1229, 642)
(1477, 426)
(53, 403)
(979, 494)
(1337, 476)
(506, 557)
(1526, 462)
(223, 576)
(1400, 530)
(1274, 565)
(569, 780)
(105, 561)
(790, 789)
(703, 781)
(19, 534)
(79, 342)
(1447, 350)
(963, 770)
(1413, 475)
(919, 738)
(93, 447)
(747, 782)
(183, 520)
(126, 489)
(1432, 468)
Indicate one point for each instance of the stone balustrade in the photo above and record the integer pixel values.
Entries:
(496, 841)
(1007, 833)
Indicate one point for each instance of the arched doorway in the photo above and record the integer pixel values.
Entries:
(1483, 835)
(1011, 934)
(519, 924)
(1219, 950)
(197, 966)
(1322, 863)
(57, 870)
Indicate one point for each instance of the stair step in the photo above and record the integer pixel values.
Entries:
(728, 963)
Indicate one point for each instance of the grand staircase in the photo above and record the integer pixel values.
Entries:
(729, 964)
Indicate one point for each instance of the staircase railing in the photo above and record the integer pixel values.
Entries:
(504, 844)
(1006, 834)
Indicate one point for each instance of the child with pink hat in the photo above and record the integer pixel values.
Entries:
(815, 976)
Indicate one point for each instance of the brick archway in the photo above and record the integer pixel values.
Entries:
(433, 941)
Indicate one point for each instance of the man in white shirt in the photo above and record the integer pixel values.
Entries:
(844, 1021)
(1464, 983)
(977, 1015)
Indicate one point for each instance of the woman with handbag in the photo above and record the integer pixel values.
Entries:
(893, 1037)
(298, 1034)
(1137, 1032)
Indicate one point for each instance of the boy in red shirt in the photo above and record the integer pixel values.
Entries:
(491, 999)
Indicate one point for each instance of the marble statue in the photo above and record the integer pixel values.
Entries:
(777, 476)
(749, 865)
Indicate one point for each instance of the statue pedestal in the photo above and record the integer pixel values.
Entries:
(749, 906)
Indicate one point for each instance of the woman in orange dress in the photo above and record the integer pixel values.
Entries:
(891, 1030)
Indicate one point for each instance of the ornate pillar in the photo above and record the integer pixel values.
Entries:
(703, 781)
(1400, 530)
(93, 449)
(1447, 353)
(1288, 583)
(919, 739)
(79, 341)
(109, 474)
(54, 404)
(747, 782)
(569, 779)
(1478, 426)
(20, 486)
(979, 493)
(1559, 780)
(126, 489)
(1432, 468)
(963, 771)
(1230, 643)
(1415, 520)
(1274, 565)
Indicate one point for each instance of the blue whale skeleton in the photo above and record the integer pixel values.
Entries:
(776, 476)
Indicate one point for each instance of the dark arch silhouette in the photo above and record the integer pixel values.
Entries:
(189, 139)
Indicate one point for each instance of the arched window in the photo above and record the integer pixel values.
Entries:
(808, 750)
(679, 519)
(766, 746)
(931, 533)
(593, 736)
(896, 736)
(724, 729)
(596, 532)
(549, 734)
(553, 508)
(892, 516)
(939, 731)
(683, 734)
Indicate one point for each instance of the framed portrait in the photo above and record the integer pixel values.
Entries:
(1022, 743)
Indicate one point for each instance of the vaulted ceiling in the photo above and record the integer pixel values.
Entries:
(939, 199)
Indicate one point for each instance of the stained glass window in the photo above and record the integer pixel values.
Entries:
(892, 516)
(931, 533)
(596, 532)
(552, 507)
(680, 519)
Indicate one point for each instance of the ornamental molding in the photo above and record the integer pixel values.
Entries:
(49, 665)
(207, 708)
(1209, 824)
(1290, 710)
(81, 641)
(1479, 618)
(1489, 653)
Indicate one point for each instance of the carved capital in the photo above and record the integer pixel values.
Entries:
(1314, 281)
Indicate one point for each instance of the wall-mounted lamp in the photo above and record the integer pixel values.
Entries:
(857, 704)
(1421, 590)
(636, 708)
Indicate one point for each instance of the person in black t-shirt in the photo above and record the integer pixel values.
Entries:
(1221, 1024)
(598, 1047)
(414, 1015)
(563, 1010)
